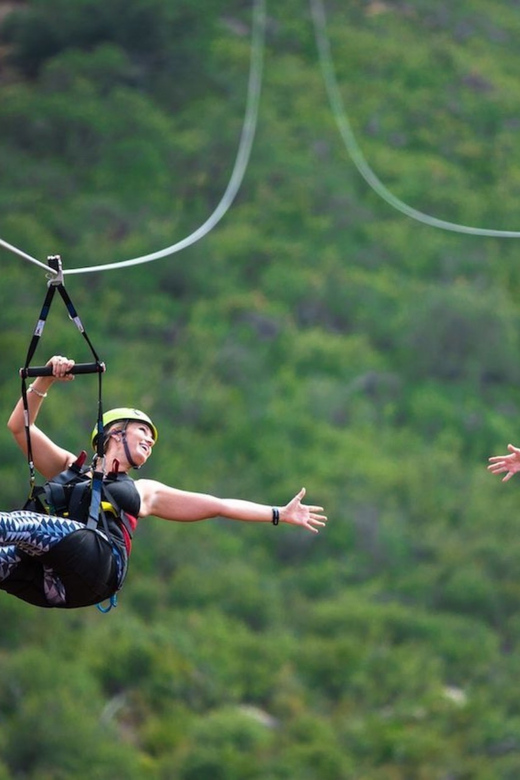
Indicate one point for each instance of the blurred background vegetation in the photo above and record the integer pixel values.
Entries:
(316, 337)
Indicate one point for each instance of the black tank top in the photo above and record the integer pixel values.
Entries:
(122, 488)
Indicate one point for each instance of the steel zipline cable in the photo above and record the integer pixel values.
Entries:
(240, 166)
(25, 256)
(246, 142)
(353, 149)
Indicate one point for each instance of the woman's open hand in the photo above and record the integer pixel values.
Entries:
(510, 464)
(296, 513)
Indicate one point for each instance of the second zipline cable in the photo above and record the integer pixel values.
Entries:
(355, 153)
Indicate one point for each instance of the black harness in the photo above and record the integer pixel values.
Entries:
(56, 284)
(74, 493)
(69, 495)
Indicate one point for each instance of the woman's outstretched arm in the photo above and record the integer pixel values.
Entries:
(171, 504)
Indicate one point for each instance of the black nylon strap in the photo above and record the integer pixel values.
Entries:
(56, 283)
(38, 330)
(75, 318)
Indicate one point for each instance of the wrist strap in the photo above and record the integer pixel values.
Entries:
(276, 516)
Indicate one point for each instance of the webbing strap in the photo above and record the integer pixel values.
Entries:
(97, 475)
(40, 324)
(95, 499)
(56, 283)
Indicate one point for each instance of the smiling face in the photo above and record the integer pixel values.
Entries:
(139, 441)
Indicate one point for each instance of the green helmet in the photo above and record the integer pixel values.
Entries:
(124, 414)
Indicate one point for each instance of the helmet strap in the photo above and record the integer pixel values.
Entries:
(126, 448)
(127, 451)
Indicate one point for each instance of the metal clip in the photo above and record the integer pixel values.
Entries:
(54, 261)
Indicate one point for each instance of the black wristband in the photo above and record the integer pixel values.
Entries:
(276, 516)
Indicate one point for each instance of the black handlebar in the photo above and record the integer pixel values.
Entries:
(77, 368)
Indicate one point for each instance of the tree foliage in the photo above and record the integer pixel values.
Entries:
(315, 337)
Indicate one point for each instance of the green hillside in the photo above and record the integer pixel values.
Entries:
(315, 337)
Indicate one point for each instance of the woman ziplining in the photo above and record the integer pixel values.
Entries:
(52, 558)
(70, 544)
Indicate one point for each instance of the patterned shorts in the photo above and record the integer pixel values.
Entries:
(56, 562)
